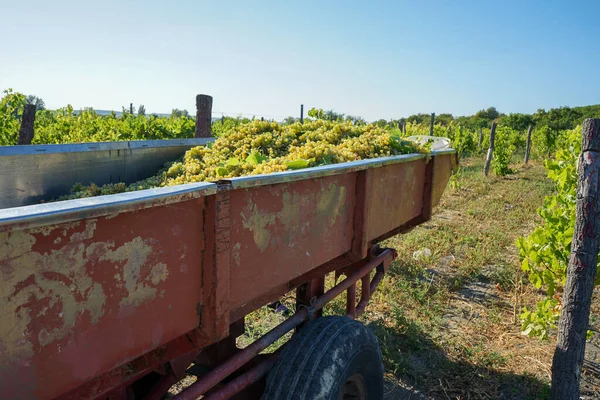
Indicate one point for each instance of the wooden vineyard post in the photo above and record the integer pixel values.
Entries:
(27, 121)
(488, 160)
(581, 271)
(203, 116)
(528, 147)
(431, 124)
(404, 127)
(480, 138)
(301, 113)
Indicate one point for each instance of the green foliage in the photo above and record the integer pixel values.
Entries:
(382, 123)
(484, 118)
(504, 148)
(419, 119)
(176, 113)
(289, 120)
(543, 141)
(355, 120)
(463, 140)
(226, 124)
(329, 115)
(64, 126)
(545, 252)
(444, 119)
(11, 107)
(538, 323)
(36, 101)
(456, 178)
(518, 122)
(67, 126)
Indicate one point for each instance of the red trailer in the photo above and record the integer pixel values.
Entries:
(116, 297)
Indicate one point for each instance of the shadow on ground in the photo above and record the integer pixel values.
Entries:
(423, 371)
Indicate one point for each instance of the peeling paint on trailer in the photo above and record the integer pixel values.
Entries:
(395, 196)
(329, 203)
(80, 298)
(289, 228)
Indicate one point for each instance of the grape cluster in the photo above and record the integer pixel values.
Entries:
(262, 147)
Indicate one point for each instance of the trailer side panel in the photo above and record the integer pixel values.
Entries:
(81, 298)
(279, 232)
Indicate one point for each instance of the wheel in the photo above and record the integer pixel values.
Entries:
(331, 358)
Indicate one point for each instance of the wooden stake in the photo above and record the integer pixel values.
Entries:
(528, 147)
(581, 271)
(203, 115)
(27, 122)
(488, 160)
(480, 138)
(431, 124)
(301, 113)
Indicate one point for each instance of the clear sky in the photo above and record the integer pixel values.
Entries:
(368, 58)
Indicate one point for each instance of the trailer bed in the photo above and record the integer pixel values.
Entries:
(93, 290)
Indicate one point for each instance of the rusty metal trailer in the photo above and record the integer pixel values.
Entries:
(115, 297)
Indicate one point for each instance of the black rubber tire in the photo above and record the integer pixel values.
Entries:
(321, 358)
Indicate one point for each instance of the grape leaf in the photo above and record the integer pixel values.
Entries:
(297, 164)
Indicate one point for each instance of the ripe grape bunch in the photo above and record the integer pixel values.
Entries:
(262, 147)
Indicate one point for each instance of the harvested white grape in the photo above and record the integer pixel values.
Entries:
(261, 147)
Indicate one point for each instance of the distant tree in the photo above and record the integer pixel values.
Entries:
(176, 113)
(516, 121)
(36, 101)
(587, 112)
(444, 119)
(329, 115)
(562, 118)
(484, 118)
(418, 118)
(141, 110)
(289, 120)
(382, 123)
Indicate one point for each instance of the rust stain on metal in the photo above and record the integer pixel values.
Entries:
(258, 222)
(330, 204)
(59, 281)
(75, 296)
(134, 254)
(55, 280)
(235, 253)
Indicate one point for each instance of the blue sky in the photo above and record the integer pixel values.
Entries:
(369, 58)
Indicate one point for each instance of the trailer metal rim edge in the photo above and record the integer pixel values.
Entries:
(98, 206)
(70, 210)
(327, 170)
(99, 146)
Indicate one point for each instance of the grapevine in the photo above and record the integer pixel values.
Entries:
(545, 252)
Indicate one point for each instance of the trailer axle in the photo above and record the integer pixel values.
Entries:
(211, 379)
